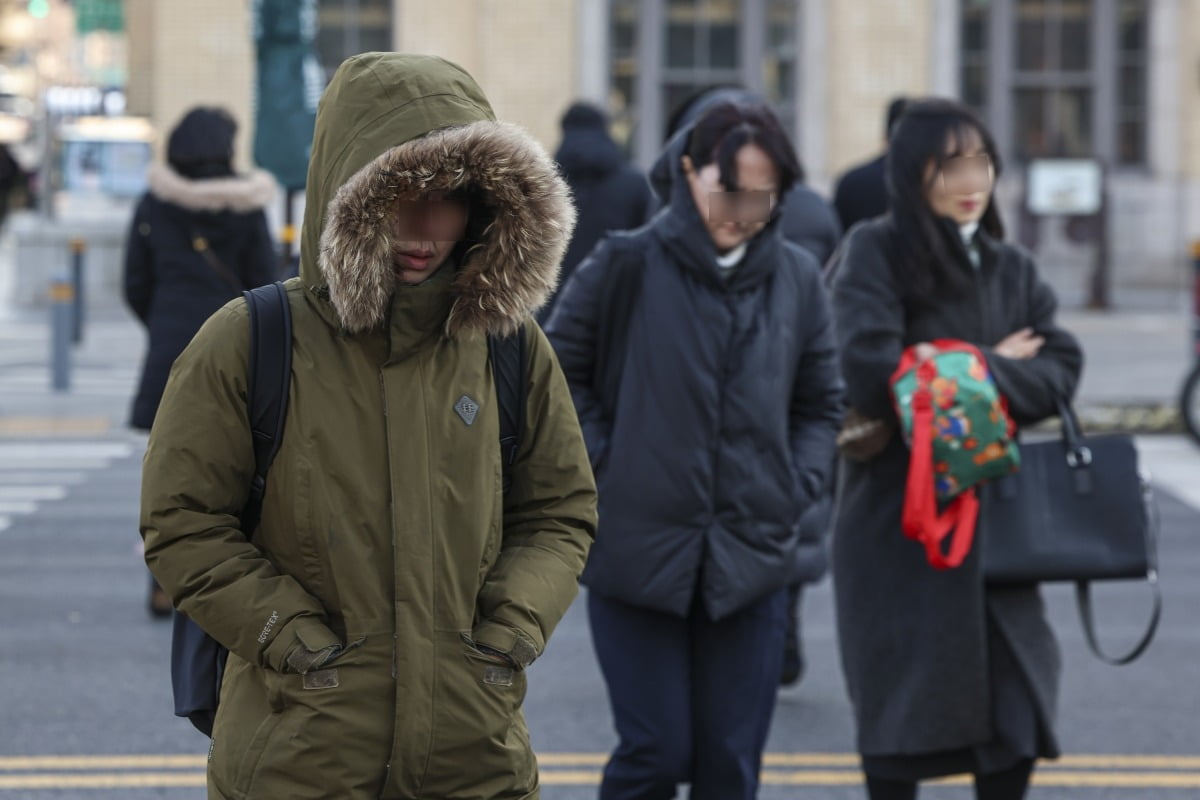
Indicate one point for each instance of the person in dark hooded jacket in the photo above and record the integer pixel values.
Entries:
(700, 354)
(198, 238)
(807, 220)
(609, 194)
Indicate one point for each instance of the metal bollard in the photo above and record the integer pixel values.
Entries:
(78, 248)
(62, 301)
(1196, 299)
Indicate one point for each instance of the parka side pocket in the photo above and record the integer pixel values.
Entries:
(252, 707)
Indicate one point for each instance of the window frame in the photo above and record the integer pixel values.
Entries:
(1102, 78)
(649, 111)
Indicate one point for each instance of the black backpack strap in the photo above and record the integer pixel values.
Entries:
(510, 371)
(269, 375)
(618, 297)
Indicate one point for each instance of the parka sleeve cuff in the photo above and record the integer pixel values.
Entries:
(305, 630)
(507, 640)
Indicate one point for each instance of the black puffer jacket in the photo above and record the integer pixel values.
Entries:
(720, 435)
(171, 286)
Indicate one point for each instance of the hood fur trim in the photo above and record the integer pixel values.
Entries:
(508, 275)
(243, 193)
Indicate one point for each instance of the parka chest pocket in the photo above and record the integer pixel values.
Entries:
(495, 529)
(304, 513)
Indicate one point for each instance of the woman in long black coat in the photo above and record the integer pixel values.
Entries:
(198, 238)
(946, 674)
(701, 358)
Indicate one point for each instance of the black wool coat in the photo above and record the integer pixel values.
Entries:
(172, 287)
(914, 640)
(861, 193)
(808, 220)
(720, 436)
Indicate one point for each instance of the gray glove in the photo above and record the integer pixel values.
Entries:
(303, 661)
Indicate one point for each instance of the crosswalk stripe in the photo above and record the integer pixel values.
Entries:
(35, 472)
(54, 450)
(11, 477)
(19, 493)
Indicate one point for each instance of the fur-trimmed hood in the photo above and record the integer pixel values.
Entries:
(240, 193)
(392, 126)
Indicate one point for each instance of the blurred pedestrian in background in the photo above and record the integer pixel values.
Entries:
(11, 177)
(199, 237)
(946, 674)
(701, 357)
(861, 192)
(610, 194)
(808, 220)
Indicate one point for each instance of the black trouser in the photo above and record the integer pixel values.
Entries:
(1007, 785)
(691, 698)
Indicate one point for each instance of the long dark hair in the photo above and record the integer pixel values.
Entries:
(927, 247)
(726, 128)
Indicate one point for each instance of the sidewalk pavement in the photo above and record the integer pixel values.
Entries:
(1136, 362)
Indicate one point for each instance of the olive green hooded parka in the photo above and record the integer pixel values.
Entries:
(385, 533)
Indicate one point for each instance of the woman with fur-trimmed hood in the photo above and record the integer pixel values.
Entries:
(381, 620)
(198, 238)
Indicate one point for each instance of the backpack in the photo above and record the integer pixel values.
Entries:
(197, 660)
(960, 435)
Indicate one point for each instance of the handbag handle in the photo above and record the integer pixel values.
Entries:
(1083, 589)
(1083, 595)
(1078, 453)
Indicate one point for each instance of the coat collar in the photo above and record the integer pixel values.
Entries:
(241, 194)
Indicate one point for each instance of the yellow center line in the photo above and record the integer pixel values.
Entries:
(130, 780)
(582, 769)
(850, 760)
(562, 760)
(10, 764)
(101, 780)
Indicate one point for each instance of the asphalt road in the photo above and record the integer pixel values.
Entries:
(84, 684)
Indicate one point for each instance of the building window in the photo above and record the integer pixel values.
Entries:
(1132, 17)
(702, 50)
(622, 93)
(348, 27)
(780, 61)
(663, 52)
(1059, 78)
(974, 53)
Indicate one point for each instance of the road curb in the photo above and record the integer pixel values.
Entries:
(1131, 418)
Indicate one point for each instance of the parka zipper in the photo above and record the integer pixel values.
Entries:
(391, 518)
(724, 374)
(387, 774)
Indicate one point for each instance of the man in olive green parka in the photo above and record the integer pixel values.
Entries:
(381, 617)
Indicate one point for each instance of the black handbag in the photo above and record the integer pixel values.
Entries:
(1079, 509)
